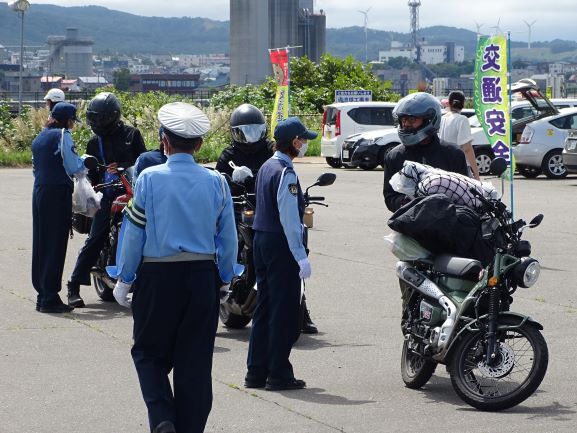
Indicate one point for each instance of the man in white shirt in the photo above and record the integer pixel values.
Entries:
(455, 128)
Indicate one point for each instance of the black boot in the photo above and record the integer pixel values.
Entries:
(74, 299)
(309, 326)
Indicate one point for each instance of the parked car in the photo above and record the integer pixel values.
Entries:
(541, 145)
(340, 120)
(570, 152)
(368, 150)
(529, 105)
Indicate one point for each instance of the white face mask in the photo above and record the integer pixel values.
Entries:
(303, 149)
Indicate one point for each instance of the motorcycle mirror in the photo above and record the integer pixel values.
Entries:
(90, 162)
(498, 166)
(536, 221)
(326, 179)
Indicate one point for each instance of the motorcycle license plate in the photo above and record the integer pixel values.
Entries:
(345, 154)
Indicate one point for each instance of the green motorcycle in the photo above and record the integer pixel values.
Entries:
(457, 313)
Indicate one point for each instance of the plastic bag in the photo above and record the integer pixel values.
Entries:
(405, 247)
(85, 200)
(239, 174)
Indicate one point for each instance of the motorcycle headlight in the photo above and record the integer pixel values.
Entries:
(526, 273)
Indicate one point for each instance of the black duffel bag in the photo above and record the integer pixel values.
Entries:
(81, 223)
(443, 227)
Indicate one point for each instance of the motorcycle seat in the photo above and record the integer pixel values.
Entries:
(460, 267)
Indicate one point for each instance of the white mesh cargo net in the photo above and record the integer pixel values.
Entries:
(416, 179)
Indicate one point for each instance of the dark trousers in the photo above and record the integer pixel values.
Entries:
(275, 319)
(175, 310)
(91, 250)
(51, 222)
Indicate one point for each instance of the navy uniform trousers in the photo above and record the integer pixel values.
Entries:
(90, 251)
(275, 320)
(175, 311)
(51, 222)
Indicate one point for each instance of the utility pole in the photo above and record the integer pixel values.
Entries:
(20, 6)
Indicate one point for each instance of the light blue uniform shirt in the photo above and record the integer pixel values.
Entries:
(179, 207)
(289, 211)
(72, 162)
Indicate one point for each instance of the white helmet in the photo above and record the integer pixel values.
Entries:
(55, 95)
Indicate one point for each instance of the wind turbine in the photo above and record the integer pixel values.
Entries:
(478, 29)
(529, 25)
(497, 28)
(366, 14)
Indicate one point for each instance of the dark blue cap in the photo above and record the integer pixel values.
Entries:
(290, 128)
(63, 111)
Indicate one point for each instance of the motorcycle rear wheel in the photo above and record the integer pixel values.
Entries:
(416, 370)
(231, 320)
(523, 359)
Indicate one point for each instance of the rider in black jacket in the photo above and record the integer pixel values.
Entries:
(250, 149)
(419, 117)
(250, 146)
(114, 145)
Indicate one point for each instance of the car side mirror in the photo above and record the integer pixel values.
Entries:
(498, 166)
(326, 179)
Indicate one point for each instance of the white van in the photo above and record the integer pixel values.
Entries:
(341, 120)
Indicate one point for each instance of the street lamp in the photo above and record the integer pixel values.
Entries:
(20, 6)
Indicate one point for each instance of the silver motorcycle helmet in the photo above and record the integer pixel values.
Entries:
(421, 105)
(247, 125)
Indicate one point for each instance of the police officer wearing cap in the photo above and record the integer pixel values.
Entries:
(280, 262)
(179, 250)
(54, 161)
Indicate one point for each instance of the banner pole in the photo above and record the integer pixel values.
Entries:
(511, 163)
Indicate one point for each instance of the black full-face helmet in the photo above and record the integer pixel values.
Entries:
(247, 125)
(103, 113)
(421, 105)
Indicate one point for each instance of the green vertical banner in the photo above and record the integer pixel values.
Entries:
(491, 96)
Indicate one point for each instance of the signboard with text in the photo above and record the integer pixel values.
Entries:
(280, 66)
(353, 95)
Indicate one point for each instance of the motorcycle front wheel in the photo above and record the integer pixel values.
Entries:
(415, 369)
(522, 359)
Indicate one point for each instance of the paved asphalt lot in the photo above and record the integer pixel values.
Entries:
(73, 373)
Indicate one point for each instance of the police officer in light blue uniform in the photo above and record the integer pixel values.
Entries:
(179, 248)
(54, 161)
(280, 261)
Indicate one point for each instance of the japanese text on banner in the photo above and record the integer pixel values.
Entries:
(491, 93)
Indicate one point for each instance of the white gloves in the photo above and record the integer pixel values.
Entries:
(305, 268)
(120, 293)
(239, 174)
(224, 293)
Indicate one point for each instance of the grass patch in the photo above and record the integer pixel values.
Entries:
(14, 158)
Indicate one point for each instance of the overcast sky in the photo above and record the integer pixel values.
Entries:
(553, 19)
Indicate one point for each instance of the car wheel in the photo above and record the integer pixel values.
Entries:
(528, 172)
(334, 162)
(367, 166)
(553, 166)
(484, 158)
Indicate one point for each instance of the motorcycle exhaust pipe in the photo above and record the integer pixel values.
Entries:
(425, 286)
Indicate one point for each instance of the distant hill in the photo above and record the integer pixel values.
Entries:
(124, 33)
